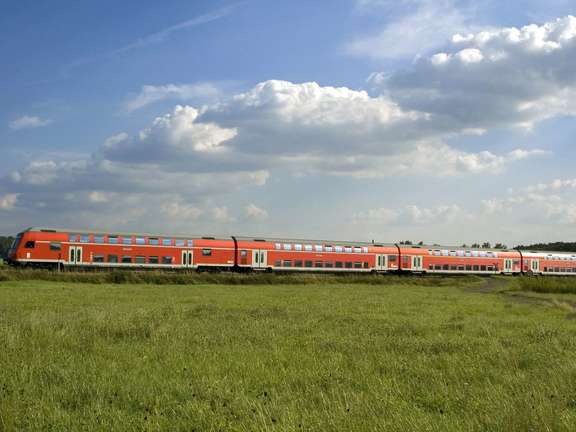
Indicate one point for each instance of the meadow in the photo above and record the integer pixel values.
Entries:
(406, 354)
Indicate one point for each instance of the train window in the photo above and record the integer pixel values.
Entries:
(287, 263)
(318, 248)
(516, 262)
(453, 267)
(140, 259)
(308, 264)
(445, 267)
(112, 258)
(357, 265)
(98, 239)
(298, 263)
(73, 237)
(180, 243)
(206, 252)
(30, 244)
(437, 267)
(308, 248)
(140, 240)
(55, 246)
(468, 254)
(318, 264)
(98, 258)
(468, 268)
(461, 268)
(490, 268)
(366, 265)
(297, 247)
(277, 246)
(452, 253)
(347, 249)
(113, 239)
(405, 260)
(391, 258)
(460, 253)
(329, 248)
(437, 252)
(243, 253)
(474, 253)
(287, 246)
(153, 241)
(338, 264)
(430, 266)
(153, 260)
(482, 253)
(348, 264)
(556, 269)
(476, 268)
(126, 259)
(190, 243)
(277, 263)
(357, 250)
(338, 248)
(85, 238)
(329, 264)
(365, 249)
(482, 268)
(127, 240)
(166, 242)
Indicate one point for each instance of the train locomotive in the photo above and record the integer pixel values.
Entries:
(76, 249)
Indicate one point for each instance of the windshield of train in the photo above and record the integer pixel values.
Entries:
(14, 244)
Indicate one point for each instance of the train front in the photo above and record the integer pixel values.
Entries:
(12, 257)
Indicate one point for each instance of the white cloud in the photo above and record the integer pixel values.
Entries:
(8, 201)
(428, 24)
(150, 94)
(29, 122)
(221, 215)
(412, 214)
(510, 77)
(254, 212)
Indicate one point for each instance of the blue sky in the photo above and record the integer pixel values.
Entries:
(356, 119)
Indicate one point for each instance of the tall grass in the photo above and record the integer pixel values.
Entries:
(226, 278)
(323, 357)
(553, 285)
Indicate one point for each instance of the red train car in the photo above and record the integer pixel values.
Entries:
(46, 247)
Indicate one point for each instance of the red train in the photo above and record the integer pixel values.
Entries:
(43, 247)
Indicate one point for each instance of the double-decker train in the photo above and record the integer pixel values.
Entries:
(61, 248)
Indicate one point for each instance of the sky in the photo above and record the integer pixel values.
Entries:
(443, 121)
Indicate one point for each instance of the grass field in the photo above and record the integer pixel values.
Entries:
(316, 357)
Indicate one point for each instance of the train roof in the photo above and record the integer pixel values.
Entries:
(120, 233)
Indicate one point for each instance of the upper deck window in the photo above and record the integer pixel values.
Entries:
(30, 244)
(84, 238)
(98, 239)
(127, 240)
(166, 242)
(73, 237)
(140, 241)
(113, 239)
(180, 242)
(153, 241)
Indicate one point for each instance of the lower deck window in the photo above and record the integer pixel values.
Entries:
(54, 246)
(357, 265)
(348, 264)
(167, 260)
(445, 267)
(278, 263)
(318, 264)
(366, 265)
(298, 263)
(328, 264)
(339, 264)
(308, 264)
(476, 268)
(112, 258)
(468, 268)
(437, 267)
(126, 259)
(206, 252)
(287, 263)
(153, 260)
(490, 268)
(98, 258)
(453, 267)
(431, 267)
(483, 268)
(140, 259)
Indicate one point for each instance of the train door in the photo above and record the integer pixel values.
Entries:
(381, 263)
(259, 259)
(507, 266)
(417, 263)
(187, 260)
(75, 255)
(535, 266)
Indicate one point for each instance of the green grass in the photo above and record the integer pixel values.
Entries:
(314, 357)
(548, 284)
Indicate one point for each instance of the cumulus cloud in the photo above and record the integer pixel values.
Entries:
(29, 122)
(254, 212)
(8, 201)
(411, 214)
(150, 94)
(496, 78)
